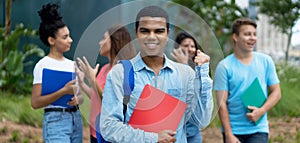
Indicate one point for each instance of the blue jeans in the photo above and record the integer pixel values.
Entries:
(258, 137)
(62, 127)
(197, 138)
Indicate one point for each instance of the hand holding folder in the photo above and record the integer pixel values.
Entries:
(156, 111)
(54, 80)
(254, 96)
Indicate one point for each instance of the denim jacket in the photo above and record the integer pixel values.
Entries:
(176, 79)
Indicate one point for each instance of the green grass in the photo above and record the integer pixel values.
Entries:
(288, 106)
(17, 108)
(290, 88)
(85, 110)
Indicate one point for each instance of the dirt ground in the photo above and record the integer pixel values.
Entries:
(283, 130)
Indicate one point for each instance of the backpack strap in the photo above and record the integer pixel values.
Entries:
(128, 83)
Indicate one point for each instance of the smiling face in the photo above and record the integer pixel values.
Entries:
(152, 35)
(245, 40)
(62, 41)
(189, 44)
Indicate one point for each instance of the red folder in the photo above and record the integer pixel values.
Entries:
(156, 110)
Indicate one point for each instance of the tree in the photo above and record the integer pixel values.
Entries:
(7, 17)
(218, 14)
(14, 55)
(283, 14)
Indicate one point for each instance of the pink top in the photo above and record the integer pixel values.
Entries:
(95, 99)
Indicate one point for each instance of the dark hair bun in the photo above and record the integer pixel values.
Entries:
(51, 22)
(49, 13)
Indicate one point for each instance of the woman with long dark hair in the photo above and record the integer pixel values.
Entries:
(115, 45)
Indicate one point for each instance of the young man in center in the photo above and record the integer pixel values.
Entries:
(151, 66)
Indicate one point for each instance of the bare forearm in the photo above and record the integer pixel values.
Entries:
(222, 97)
(39, 101)
(80, 99)
(98, 90)
(273, 98)
(86, 89)
(224, 118)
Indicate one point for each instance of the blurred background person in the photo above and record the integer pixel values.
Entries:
(115, 45)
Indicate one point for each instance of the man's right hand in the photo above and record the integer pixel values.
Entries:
(166, 136)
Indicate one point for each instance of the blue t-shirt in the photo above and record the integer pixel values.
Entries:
(233, 76)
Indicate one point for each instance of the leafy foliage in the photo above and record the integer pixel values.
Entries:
(13, 60)
(218, 14)
(283, 14)
(17, 108)
(290, 88)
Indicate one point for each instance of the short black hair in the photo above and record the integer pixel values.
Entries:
(152, 11)
(51, 22)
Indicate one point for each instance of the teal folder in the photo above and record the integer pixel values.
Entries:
(254, 96)
(54, 80)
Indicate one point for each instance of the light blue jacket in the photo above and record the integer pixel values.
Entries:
(176, 79)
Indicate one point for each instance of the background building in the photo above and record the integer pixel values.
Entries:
(270, 40)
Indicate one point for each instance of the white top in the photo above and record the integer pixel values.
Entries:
(53, 64)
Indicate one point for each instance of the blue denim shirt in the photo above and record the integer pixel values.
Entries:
(175, 79)
(205, 105)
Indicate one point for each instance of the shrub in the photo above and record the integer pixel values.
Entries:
(290, 89)
(13, 60)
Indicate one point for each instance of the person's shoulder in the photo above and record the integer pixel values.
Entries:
(45, 58)
(118, 66)
(42, 61)
(169, 61)
(69, 60)
(117, 69)
(41, 64)
(263, 56)
(180, 67)
(260, 54)
(228, 59)
(185, 66)
(104, 68)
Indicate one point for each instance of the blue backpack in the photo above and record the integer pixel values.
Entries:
(128, 85)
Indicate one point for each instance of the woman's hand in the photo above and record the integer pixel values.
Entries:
(89, 72)
(201, 58)
(181, 55)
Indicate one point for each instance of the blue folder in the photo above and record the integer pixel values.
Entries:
(254, 96)
(54, 80)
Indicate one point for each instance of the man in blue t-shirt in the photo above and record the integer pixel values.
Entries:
(233, 76)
